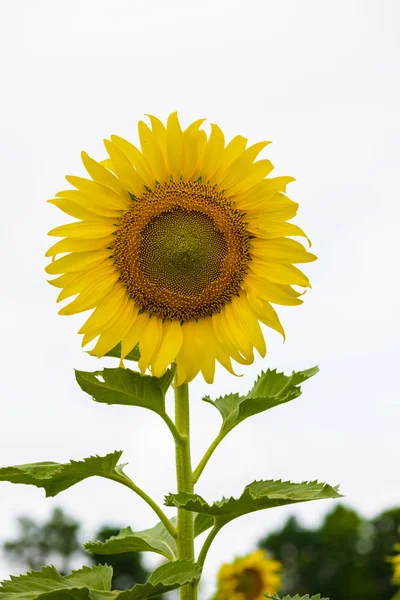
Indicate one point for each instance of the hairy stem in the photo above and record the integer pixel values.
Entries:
(185, 540)
(125, 480)
(200, 467)
(207, 544)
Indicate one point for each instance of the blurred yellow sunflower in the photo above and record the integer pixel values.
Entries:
(249, 578)
(395, 560)
(180, 247)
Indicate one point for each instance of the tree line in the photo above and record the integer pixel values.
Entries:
(344, 558)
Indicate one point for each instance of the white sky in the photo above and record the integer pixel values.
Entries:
(320, 79)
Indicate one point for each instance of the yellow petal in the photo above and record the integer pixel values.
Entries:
(249, 323)
(259, 194)
(85, 229)
(213, 153)
(279, 208)
(108, 163)
(132, 337)
(149, 342)
(180, 370)
(79, 245)
(281, 250)
(99, 173)
(86, 280)
(160, 133)
(171, 343)
(77, 261)
(152, 151)
(191, 137)
(273, 292)
(175, 151)
(73, 209)
(259, 171)
(100, 194)
(89, 296)
(63, 280)
(265, 313)
(240, 168)
(240, 339)
(124, 169)
(226, 340)
(107, 311)
(269, 229)
(137, 159)
(235, 148)
(201, 143)
(204, 346)
(188, 354)
(215, 348)
(116, 332)
(277, 273)
(97, 203)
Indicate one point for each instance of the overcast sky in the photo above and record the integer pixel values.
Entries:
(320, 79)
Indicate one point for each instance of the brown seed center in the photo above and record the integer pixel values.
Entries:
(182, 250)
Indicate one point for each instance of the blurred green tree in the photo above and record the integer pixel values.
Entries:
(57, 541)
(128, 568)
(344, 558)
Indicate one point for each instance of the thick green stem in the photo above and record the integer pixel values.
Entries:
(184, 477)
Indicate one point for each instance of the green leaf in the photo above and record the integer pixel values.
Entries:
(202, 522)
(116, 353)
(88, 583)
(269, 390)
(297, 597)
(123, 386)
(256, 496)
(56, 477)
(166, 578)
(157, 539)
(95, 583)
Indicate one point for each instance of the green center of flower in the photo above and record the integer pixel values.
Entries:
(182, 251)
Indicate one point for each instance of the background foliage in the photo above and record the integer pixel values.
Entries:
(342, 558)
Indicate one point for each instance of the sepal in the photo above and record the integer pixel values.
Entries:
(116, 353)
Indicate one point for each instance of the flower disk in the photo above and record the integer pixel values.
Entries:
(182, 251)
(180, 247)
(249, 578)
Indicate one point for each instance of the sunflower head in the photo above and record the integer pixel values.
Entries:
(249, 578)
(395, 560)
(180, 247)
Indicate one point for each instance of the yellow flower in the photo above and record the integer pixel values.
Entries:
(180, 247)
(395, 560)
(249, 578)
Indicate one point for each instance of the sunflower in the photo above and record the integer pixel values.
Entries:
(180, 247)
(395, 560)
(249, 578)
